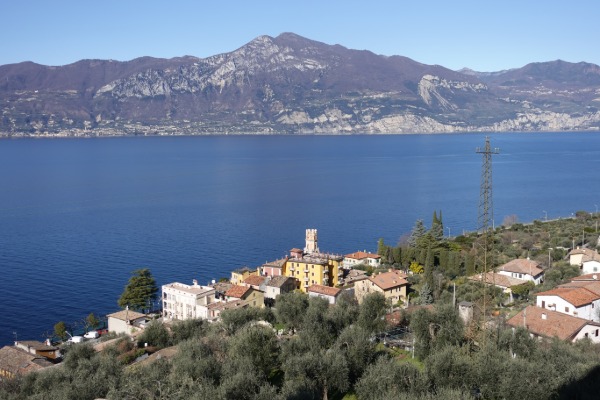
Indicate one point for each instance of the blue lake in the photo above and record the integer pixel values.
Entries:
(78, 215)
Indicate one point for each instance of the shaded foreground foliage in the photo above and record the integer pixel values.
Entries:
(332, 353)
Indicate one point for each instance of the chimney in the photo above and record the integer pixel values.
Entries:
(595, 277)
(195, 282)
(544, 316)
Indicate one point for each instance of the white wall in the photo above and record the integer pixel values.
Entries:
(181, 305)
(119, 326)
(593, 333)
(272, 292)
(588, 311)
(589, 267)
(330, 299)
(350, 262)
(525, 277)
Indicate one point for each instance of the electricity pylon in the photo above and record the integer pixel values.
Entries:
(485, 222)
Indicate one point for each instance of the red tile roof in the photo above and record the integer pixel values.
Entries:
(587, 277)
(549, 323)
(254, 280)
(522, 266)
(498, 280)
(326, 290)
(237, 291)
(577, 296)
(592, 286)
(280, 280)
(588, 254)
(360, 255)
(389, 280)
(15, 361)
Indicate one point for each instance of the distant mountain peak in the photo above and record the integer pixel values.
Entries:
(291, 84)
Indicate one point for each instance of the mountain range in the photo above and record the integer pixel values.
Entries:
(292, 85)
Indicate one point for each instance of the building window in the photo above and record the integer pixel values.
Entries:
(543, 303)
(566, 309)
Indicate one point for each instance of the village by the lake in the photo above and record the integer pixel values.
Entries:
(431, 288)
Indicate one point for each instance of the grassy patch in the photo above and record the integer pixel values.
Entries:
(279, 326)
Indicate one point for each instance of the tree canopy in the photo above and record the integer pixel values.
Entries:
(140, 291)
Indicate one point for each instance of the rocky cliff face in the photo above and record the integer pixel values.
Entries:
(290, 84)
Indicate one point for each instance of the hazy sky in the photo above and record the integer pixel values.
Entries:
(482, 35)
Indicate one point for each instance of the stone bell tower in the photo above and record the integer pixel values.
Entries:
(311, 241)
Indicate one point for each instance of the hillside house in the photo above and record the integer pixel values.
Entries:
(126, 321)
(278, 285)
(577, 301)
(252, 297)
(325, 292)
(355, 275)
(215, 309)
(362, 257)
(38, 348)
(580, 255)
(524, 269)
(545, 323)
(392, 285)
(15, 361)
(504, 282)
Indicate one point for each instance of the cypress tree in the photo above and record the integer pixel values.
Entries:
(437, 227)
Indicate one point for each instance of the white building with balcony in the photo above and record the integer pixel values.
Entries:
(181, 301)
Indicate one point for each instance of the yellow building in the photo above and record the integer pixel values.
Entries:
(239, 275)
(314, 268)
(255, 298)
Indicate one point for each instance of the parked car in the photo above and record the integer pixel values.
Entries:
(92, 335)
(75, 339)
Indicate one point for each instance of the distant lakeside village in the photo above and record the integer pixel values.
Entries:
(569, 311)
